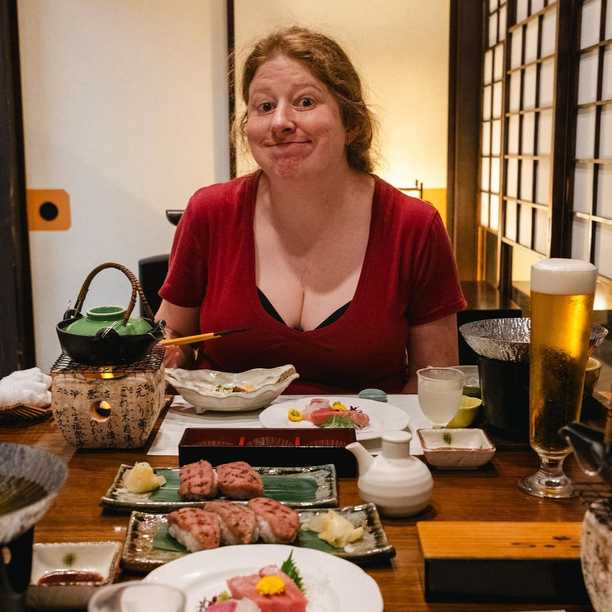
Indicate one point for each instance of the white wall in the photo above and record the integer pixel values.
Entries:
(400, 48)
(125, 107)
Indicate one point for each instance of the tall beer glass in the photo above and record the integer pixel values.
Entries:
(562, 293)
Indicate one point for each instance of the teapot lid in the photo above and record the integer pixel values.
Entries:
(104, 317)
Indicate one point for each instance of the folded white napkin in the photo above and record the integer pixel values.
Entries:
(25, 388)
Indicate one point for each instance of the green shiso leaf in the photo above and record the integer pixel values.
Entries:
(292, 571)
(339, 421)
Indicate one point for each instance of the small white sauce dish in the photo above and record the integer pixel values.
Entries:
(99, 557)
(456, 449)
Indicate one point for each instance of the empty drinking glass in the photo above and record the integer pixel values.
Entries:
(137, 596)
(440, 390)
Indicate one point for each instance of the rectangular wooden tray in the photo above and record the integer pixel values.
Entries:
(270, 447)
(495, 561)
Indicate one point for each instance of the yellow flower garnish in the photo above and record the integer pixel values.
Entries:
(270, 585)
(295, 415)
(339, 406)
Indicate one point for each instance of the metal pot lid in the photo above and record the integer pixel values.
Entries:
(508, 339)
(30, 479)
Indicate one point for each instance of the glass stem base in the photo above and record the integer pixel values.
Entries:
(549, 481)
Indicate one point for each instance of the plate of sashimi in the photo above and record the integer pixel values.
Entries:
(370, 419)
(269, 578)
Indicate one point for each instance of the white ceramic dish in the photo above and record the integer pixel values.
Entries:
(456, 448)
(383, 416)
(212, 390)
(333, 584)
(100, 557)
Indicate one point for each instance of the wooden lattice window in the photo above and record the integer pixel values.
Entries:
(492, 113)
(591, 193)
(530, 85)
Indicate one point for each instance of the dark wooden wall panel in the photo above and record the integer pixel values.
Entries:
(16, 321)
(465, 50)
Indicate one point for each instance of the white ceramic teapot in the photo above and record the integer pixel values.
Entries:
(399, 484)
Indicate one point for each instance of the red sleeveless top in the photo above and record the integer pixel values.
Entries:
(408, 278)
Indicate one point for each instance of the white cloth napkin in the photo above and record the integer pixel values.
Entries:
(25, 388)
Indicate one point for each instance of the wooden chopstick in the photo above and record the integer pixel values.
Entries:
(199, 337)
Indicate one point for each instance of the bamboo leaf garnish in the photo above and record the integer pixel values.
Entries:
(290, 568)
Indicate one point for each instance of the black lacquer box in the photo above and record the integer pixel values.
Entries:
(270, 447)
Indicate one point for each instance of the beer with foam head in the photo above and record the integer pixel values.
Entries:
(561, 306)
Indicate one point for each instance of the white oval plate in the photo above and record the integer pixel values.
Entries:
(332, 584)
(383, 416)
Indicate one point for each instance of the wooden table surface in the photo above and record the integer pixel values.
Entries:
(487, 494)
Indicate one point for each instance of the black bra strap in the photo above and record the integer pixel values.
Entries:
(269, 308)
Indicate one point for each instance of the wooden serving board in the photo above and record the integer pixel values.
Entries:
(494, 561)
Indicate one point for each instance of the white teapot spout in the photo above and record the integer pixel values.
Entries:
(364, 459)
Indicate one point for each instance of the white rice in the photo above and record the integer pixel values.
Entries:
(187, 539)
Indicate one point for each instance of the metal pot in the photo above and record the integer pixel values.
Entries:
(502, 346)
(108, 341)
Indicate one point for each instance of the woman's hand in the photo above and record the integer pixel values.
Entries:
(180, 321)
(431, 344)
(179, 357)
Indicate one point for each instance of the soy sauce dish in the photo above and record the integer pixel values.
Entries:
(66, 575)
(456, 449)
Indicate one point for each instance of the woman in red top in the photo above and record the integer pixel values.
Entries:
(331, 269)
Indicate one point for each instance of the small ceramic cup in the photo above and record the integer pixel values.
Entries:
(137, 596)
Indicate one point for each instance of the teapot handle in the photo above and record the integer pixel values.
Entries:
(136, 290)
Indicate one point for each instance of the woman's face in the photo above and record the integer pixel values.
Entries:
(294, 127)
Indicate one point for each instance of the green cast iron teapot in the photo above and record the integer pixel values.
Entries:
(106, 335)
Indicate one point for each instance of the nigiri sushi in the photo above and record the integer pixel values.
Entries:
(278, 524)
(195, 528)
(197, 481)
(238, 523)
(238, 480)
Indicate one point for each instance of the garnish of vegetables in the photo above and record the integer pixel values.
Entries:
(270, 585)
(295, 415)
(290, 568)
(339, 421)
(335, 529)
(339, 406)
(142, 479)
(69, 559)
(447, 438)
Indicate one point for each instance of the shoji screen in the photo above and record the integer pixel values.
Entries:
(491, 134)
(592, 171)
(530, 82)
(492, 113)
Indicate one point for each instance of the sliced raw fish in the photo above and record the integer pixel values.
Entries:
(290, 600)
(238, 523)
(197, 481)
(278, 524)
(314, 405)
(360, 419)
(238, 480)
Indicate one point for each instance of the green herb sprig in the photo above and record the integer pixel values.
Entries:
(290, 568)
(339, 421)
